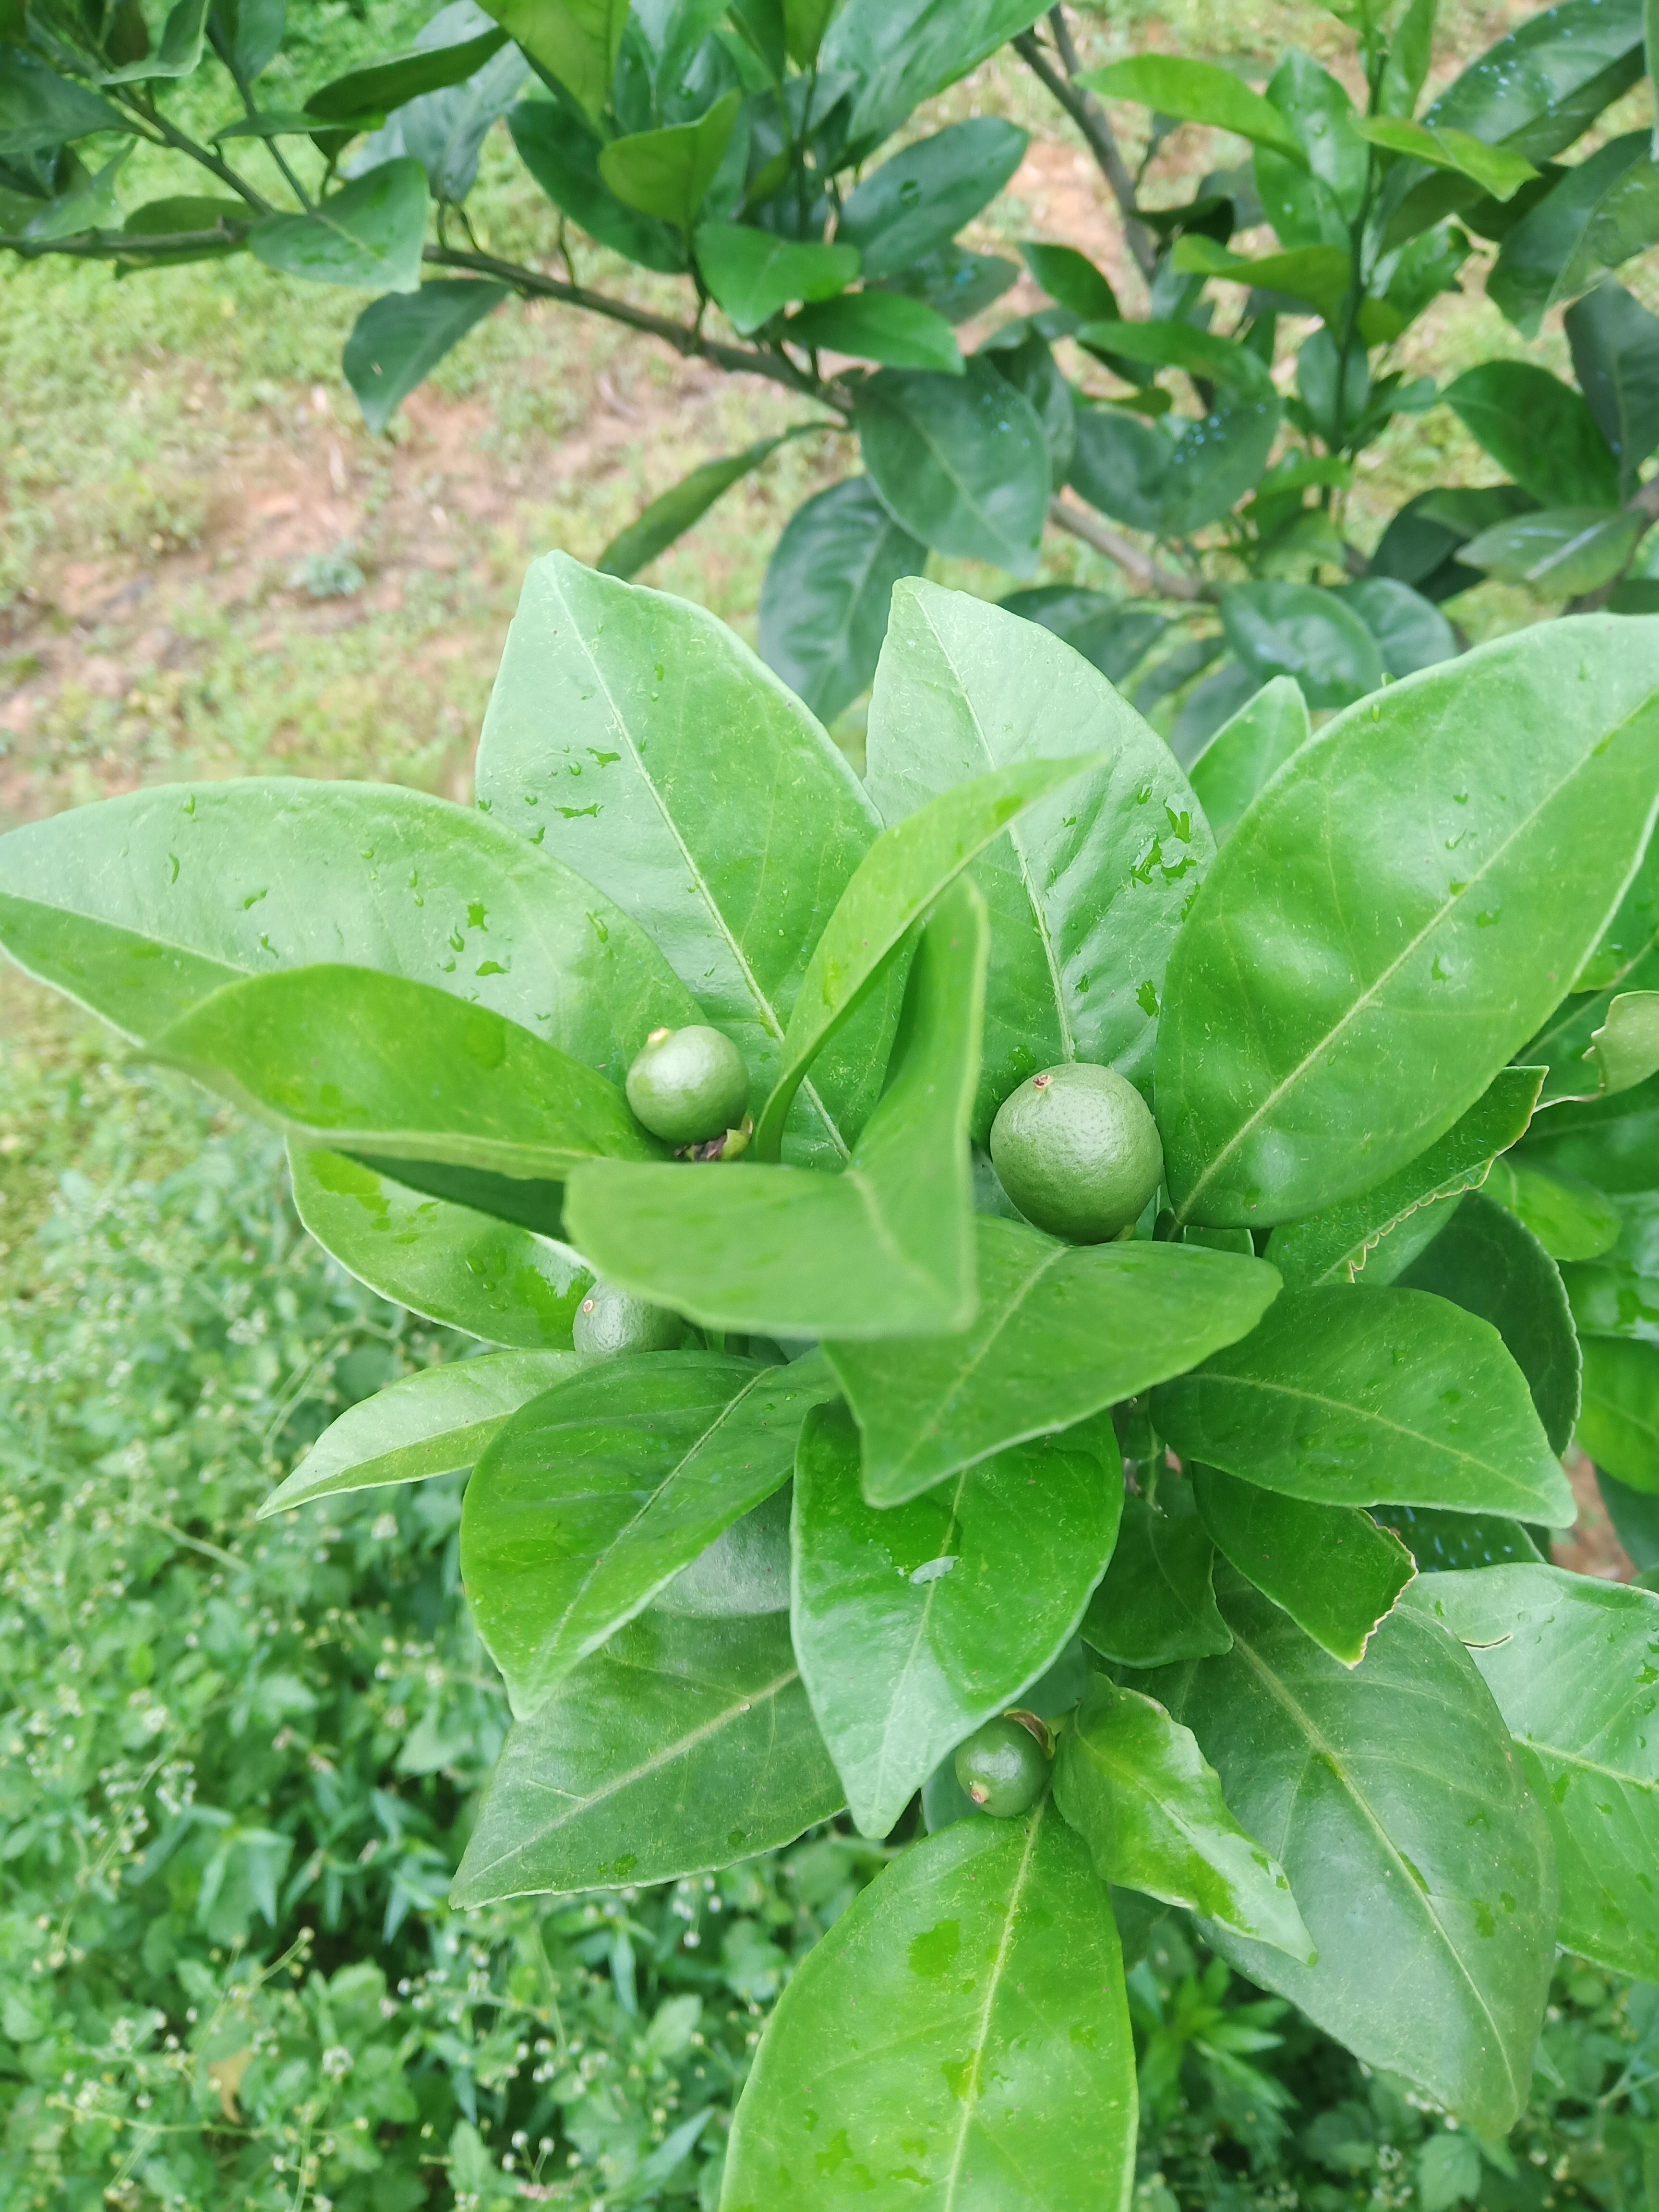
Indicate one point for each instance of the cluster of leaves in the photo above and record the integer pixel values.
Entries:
(741, 146)
(236, 1774)
(878, 1496)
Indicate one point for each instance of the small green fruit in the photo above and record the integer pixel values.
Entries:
(1077, 1151)
(609, 1321)
(1003, 1768)
(688, 1085)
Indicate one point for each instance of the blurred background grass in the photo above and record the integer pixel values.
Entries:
(236, 1760)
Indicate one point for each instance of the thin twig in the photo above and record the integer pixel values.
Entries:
(183, 143)
(1090, 117)
(1165, 583)
(744, 360)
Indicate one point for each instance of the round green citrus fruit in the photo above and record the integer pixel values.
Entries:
(1078, 1151)
(688, 1085)
(1002, 1768)
(609, 1321)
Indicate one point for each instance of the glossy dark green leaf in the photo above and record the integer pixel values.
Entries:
(1418, 545)
(1393, 1798)
(917, 1622)
(1297, 630)
(577, 41)
(597, 1494)
(363, 1061)
(958, 283)
(1136, 1788)
(430, 1423)
(921, 197)
(745, 1570)
(684, 1744)
(1611, 1143)
(1635, 1519)
(903, 51)
(1199, 92)
(678, 793)
(1572, 1220)
(221, 880)
(1539, 430)
(1072, 278)
(1249, 749)
(1617, 1292)
(884, 1248)
(1569, 1659)
(1330, 1567)
(992, 1943)
(1349, 1397)
(1449, 1542)
(397, 342)
(1369, 950)
(755, 273)
(667, 173)
(1204, 354)
(959, 461)
(1604, 209)
(909, 867)
(565, 163)
(882, 327)
(452, 1263)
(41, 110)
(1156, 1605)
(1088, 889)
(1616, 358)
(1334, 1245)
(668, 518)
(1062, 1331)
(824, 605)
(1486, 1261)
(1115, 637)
(1120, 464)
(1619, 1417)
(381, 86)
(1029, 366)
(1216, 460)
(1562, 550)
(370, 231)
(1538, 88)
(1410, 631)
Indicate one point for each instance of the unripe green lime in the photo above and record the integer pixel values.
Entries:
(609, 1321)
(1077, 1151)
(1003, 1768)
(688, 1085)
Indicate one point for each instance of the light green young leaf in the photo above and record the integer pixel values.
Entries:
(365, 1062)
(468, 1269)
(1334, 1245)
(909, 865)
(1198, 91)
(370, 232)
(1353, 1397)
(1331, 1009)
(755, 273)
(993, 1943)
(1156, 1604)
(684, 1744)
(1088, 888)
(667, 173)
(1136, 1788)
(1499, 172)
(220, 880)
(430, 1423)
(1321, 275)
(1247, 751)
(1569, 1659)
(680, 795)
(884, 1248)
(1618, 1419)
(1062, 1331)
(1330, 1567)
(884, 327)
(597, 1494)
(1572, 1220)
(1394, 1782)
(575, 40)
(1625, 1050)
(916, 1623)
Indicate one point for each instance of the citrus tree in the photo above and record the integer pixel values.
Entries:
(1035, 1300)
(764, 154)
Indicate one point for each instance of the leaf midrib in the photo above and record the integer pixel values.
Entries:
(918, 429)
(1364, 1001)
(993, 1982)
